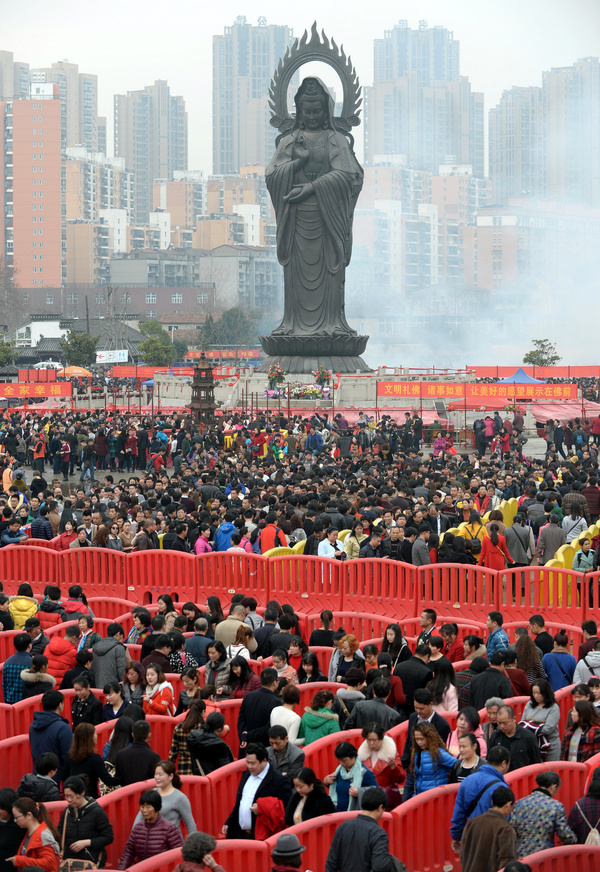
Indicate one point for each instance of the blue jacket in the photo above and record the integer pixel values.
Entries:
(496, 641)
(50, 732)
(469, 789)
(426, 775)
(222, 539)
(41, 528)
(12, 686)
(314, 442)
(10, 538)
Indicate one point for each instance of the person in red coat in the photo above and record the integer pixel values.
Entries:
(61, 653)
(494, 553)
(379, 754)
(39, 848)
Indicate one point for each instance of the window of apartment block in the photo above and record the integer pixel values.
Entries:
(49, 299)
(150, 298)
(202, 298)
(176, 298)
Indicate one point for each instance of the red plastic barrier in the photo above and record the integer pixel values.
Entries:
(454, 590)
(551, 592)
(572, 775)
(55, 809)
(16, 756)
(161, 736)
(232, 854)
(230, 709)
(110, 607)
(412, 821)
(37, 565)
(566, 858)
(222, 574)
(575, 634)
(565, 702)
(101, 571)
(591, 596)
(387, 583)
(22, 714)
(150, 573)
(398, 734)
(320, 755)
(7, 728)
(223, 789)
(317, 834)
(360, 624)
(59, 629)
(198, 790)
(7, 648)
(591, 766)
(38, 543)
(307, 582)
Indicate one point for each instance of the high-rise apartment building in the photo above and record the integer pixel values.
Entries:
(183, 197)
(517, 145)
(545, 141)
(31, 239)
(419, 105)
(79, 103)
(14, 78)
(151, 135)
(244, 60)
(94, 182)
(572, 114)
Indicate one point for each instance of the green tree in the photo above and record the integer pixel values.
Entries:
(7, 353)
(155, 353)
(154, 329)
(234, 328)
(79, 349)
(543, 354)
(180, 346)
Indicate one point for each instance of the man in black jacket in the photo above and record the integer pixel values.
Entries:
(423, 712)
(492, 682)
(255, 711)
(414, 673)
(374, 710)
(520, 743)
(260, 780)
(138, 761)
(279, 640)
(360, 843)
(41, 528)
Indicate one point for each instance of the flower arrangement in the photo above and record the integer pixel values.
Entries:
(276, 374)
(322, 376)
(273, 393)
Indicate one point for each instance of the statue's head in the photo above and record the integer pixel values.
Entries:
(313, 105)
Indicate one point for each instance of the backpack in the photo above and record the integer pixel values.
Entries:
(579, 439)
(593, 837)
(476, 546)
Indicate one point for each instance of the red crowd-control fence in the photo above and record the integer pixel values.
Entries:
(320, 755)
(411, 824)
(572, 775)
(566, 858)
(563, 596)
(223, 788)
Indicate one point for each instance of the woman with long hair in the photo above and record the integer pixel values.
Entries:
(116, 704)
(318, 719)
(474, 647)
(85, 824)
(215, 611)
(310, 799)
(543, 709)
(84, 760)
(67, 535)
(240, 647)
(40, 846)
(574, 525)
(582, 739)
(287, 609)
(167, 610)
(190, 680)
(468, 721)
(217, 670)
(176, 806)
(494, 551)
(100, 540)
(355, 540)
(395, 645)
(528, 658)
(158, 695)
(243, 679)
(443, 687)
(430, 763)
(121, 737)
(179, 746)
(323, 636)
(378, 753)
(310, 671)
(192, 613)
(134, 683)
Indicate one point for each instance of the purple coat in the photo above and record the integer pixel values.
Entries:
(149, 840)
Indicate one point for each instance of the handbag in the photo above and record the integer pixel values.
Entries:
(536, 728)
(72, 865)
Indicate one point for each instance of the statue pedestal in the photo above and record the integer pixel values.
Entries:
(339, 352)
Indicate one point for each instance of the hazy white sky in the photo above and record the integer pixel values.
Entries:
(129, 45)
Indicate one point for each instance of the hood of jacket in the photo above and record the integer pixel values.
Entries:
(90, 807)
(105, 645)
(388, 749)
(315, 719)
(50, 606)
(205, 740)
(593, 658)
(42, 720)
(227, 527)
(348, 693)
(36, 677)
(23, 601)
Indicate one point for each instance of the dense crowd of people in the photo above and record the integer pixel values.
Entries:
(349, 492)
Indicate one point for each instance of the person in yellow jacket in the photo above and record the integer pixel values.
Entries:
(473, 530)
(23, 605)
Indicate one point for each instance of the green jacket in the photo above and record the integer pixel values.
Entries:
(316, 724)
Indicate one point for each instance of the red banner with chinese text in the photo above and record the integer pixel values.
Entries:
(468, 390)
(224, 353)
(17, 389)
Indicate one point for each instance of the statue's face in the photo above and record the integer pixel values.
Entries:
(312, 113)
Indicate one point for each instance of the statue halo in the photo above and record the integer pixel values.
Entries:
(304, 51)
